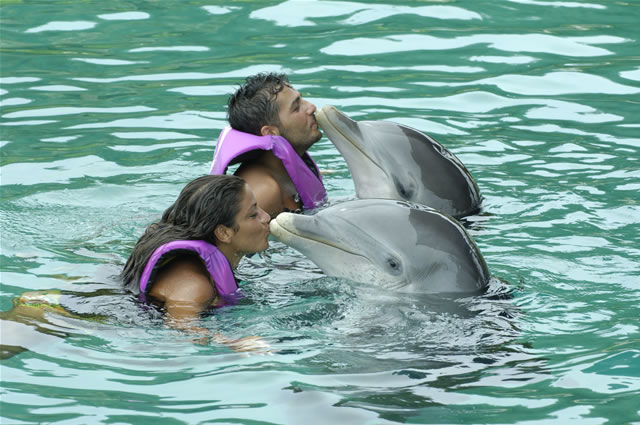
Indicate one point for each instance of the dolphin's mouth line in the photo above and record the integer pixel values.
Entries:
(283, 229)
(325, 117)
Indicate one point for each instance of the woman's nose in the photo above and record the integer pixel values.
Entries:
(264, 216)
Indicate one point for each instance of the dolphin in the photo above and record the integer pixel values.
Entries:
(397, 245)
(392, 161)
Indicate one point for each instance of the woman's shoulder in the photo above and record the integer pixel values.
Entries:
(184, 279)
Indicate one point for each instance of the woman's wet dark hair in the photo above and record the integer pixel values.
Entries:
(254, 104)
(203, 204)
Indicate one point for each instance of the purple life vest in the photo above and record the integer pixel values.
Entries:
(215, 261)
(233, 143)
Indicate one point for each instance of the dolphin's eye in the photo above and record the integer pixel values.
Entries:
(405, 189)
(394, 265)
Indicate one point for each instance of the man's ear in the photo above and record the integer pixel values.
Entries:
(223, 233)
(269, 130)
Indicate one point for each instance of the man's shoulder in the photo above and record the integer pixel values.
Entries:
(259, 178)
(255, 171)
(265, 187)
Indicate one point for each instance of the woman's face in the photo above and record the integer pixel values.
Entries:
(252, 224)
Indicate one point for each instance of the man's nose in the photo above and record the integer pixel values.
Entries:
(311, 108)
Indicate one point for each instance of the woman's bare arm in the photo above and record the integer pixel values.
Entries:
(186, 290)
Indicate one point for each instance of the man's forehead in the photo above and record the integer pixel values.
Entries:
(287, 95)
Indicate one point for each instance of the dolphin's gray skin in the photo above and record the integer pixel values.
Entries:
(392, 161)
(397, 245)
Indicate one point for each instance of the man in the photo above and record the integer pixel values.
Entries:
(271, 129)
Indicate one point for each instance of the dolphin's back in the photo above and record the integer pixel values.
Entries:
(424, 171)
(446, 176)
(451, 261)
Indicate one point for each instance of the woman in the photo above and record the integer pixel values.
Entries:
(186, 259)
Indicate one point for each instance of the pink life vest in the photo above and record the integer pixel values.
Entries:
(216, 263)
(233, 143)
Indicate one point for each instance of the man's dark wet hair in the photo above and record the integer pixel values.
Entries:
(254, 104)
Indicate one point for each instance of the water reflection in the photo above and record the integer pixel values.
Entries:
(14, 101)
(180, 120)
(73, 110)
(568, 4)
(361, 13)
(171, 49)
(535, 43)
(210, 90)
(65, 171)
(58, 87)
(108, 62)
(631, 75)
(555, 129)
(553, 83)
(374, 69)
(18, 80)
(124, 16)
(220, 10)
(239, 74)
(477, 102)
(63, 26)
(155, 135)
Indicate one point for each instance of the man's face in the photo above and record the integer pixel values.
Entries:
(297, 120)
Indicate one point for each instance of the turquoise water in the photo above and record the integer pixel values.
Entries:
(108, 108)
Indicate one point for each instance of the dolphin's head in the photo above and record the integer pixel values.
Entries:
(392, 161)
(394, 244)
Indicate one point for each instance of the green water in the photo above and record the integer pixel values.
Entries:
(108, 108)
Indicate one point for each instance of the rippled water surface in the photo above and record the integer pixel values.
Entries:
(108, 108)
